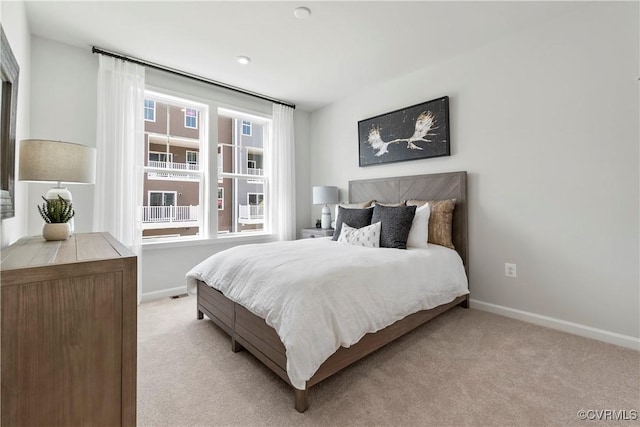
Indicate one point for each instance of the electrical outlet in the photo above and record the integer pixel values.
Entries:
(509, 269)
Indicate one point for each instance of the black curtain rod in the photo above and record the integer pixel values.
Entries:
(188, 75)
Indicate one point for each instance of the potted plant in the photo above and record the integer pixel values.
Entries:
(56, 214)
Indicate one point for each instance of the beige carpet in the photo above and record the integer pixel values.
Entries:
(466, 367)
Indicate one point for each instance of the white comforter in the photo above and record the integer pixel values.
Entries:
(319, 295)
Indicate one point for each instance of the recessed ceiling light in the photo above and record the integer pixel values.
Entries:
(244, 60)
(302, 12)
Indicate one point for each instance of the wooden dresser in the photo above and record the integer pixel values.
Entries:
(68, 332)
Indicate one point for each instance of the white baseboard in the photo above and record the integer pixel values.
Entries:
(165, 293)
(562, 325)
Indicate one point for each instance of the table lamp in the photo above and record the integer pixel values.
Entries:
(325, 195)
(57, 161)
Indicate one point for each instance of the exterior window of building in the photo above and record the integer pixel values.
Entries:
(162, 198)
(174, 178)
(246, 128)
(220, 163)
(160, 157)
(241, 172)
(191, 118)
(161, 205)
(192, 157)
(220, 199)
(255, 198)
(150, 110)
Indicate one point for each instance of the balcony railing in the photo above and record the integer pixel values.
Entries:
(174, 165)
(163, 214)
(251, 212)
(250, 171)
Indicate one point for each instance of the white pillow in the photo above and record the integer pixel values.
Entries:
(368, 236)
(419, 232)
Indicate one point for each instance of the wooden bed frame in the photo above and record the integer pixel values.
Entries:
(252, 333)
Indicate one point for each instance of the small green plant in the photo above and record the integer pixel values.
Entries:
(56, 211)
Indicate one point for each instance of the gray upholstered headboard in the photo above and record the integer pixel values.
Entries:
(437, 186)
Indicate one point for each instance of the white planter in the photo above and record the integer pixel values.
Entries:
(59, 231)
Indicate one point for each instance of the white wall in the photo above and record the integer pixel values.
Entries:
(16, 27)
(546, 124)
(63, 107)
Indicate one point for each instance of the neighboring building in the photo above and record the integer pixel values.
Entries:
(171, 205)
(240, 152)
(172, 148)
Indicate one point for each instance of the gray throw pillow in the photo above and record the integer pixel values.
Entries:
(356, 218)
(396, 223)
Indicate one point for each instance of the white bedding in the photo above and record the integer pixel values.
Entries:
(319, 294)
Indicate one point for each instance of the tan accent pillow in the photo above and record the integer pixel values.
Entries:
(359, 205)
(393, 205)
(440, 220)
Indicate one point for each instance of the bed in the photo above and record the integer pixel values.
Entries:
(253, 333)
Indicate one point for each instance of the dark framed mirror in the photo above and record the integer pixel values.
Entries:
(9, 72)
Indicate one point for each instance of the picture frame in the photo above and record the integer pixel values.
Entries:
(420, 131)
(9, 73)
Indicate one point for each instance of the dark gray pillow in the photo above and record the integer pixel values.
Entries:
(356, 218)
(396, 223)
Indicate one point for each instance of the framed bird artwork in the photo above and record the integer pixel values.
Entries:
(417, 132)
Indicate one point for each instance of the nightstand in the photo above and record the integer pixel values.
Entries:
(311, 233)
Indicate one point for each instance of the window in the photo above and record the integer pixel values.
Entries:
(174, 180)
(255, 198)
(241, 172)
(192, 157)
(149, 110)
(157, 157)
(191, 118)
(181, 196)
(246, 128)
(220, 163)
(220, 199)
(162, 198)
(161, 206)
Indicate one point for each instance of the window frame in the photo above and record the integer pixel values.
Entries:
(257, 198)
(195, 117)
(220, 198)
(250, 127)
(210, 107)
(181, 100)
(163, 192)
(169, 157)
(239, 116)
(153, 109)
(197, 154)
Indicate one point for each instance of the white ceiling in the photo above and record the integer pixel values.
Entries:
(342, 47)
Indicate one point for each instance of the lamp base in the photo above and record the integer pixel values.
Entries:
(326, 217)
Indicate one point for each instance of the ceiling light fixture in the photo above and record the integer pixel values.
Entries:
(244, 60)
(302, 12)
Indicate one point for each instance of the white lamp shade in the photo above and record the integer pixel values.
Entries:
(43, 160)
(325, 195)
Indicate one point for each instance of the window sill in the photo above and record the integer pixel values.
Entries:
(212, 241)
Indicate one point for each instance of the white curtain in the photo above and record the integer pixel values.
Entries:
(120, 156)
(282, 183)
